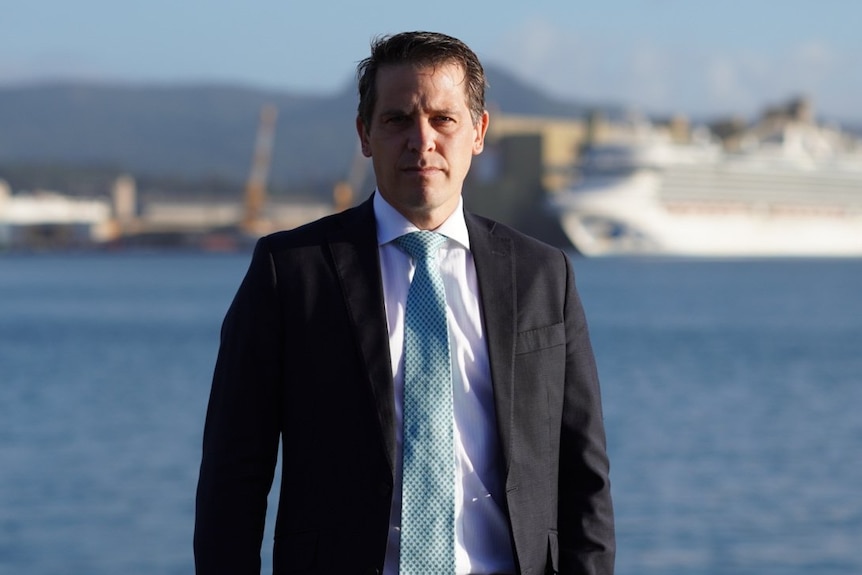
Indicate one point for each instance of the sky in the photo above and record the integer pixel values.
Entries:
(691, 57)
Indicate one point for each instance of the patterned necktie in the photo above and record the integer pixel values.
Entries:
(428, 482)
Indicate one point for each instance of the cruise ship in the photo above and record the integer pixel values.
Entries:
(785, 187)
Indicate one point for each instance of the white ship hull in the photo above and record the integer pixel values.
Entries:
(627, 218)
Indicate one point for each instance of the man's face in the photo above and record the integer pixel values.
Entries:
(422, 140)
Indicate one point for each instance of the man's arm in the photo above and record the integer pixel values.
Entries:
(240, 444)
(586, 525)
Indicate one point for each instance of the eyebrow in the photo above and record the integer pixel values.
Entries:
(447, 111)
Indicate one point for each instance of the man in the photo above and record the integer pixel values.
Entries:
(313, 352)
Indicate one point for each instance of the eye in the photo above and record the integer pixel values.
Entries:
(398, 120)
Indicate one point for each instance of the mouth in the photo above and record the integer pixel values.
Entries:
(421, 170)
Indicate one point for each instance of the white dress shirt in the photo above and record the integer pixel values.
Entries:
(482, 539)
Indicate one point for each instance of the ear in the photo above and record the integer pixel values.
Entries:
(363, 137)
(481, 128)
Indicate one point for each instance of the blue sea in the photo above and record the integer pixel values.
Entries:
(732, 393)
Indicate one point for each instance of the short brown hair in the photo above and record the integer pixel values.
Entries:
(419, 49)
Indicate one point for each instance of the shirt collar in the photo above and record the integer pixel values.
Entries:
(391, 224)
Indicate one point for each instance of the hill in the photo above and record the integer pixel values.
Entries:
(203, 132)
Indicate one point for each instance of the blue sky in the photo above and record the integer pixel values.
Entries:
(663, 56)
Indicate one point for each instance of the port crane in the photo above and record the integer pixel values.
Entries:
(253, 221)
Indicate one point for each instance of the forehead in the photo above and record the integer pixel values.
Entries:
(402, 84)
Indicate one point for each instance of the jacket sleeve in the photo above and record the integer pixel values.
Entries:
(240, 441)
(585, 514)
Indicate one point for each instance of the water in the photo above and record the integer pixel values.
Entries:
(731, 392)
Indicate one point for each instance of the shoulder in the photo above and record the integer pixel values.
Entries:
(522, 245)
(351, 225)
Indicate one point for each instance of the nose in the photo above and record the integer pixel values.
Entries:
(422, 137)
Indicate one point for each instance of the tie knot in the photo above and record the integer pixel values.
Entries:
(421, 245)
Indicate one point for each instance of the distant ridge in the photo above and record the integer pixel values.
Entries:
(204, 131)
(181, 131)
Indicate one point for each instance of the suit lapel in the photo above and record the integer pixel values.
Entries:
(495, 272)
(357, 263)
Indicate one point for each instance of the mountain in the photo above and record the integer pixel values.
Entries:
(180, 131)
(200, 132)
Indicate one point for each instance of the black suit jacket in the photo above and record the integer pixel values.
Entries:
(304, 356)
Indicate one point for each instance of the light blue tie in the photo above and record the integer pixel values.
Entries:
(428, 483)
